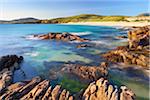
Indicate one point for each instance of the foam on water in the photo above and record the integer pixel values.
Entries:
(81, 33)
(100, 42)
(32, 54)
(32, 37)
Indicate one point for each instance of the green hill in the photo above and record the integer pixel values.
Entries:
(84, 18)
(78, 18)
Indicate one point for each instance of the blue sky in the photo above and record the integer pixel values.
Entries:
(45, 9)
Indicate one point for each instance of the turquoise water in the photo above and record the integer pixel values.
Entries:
(38, 55)
(45, 57)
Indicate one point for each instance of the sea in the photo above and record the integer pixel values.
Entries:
(45, 57)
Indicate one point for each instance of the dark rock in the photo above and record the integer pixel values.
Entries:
(10, 61)
(7, 66)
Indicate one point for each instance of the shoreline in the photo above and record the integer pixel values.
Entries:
(125, 75)
(114, 24)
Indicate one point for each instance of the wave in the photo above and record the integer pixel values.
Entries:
(32, 37)
(100, 42)
(80, 33)
(33, 54)
(74, 41)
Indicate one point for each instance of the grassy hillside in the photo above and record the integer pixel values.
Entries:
(85, 18)
(82, 18)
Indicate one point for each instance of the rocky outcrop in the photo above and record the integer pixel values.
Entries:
(61, 36)
(8, 64)
(5, 79)
(88, 73)
(38, 89)
(137, 57)
(137, 52)
(139, 37)
(103, 90)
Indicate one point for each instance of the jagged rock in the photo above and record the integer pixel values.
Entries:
(89, 73)
(7, 65)
(100, 89)
(63, 95)
(103, 90)
(37, 91)
(47, 95)
(137, 52)
(136, 57)
(10, 61)
(126, 94)
(5, 79)
(28, 87)
(61, 36)
(55, 92)
(19, 89)
(11, 90)
(128, 57)
(139, 36)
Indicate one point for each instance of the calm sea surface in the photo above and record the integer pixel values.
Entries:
(44, 57)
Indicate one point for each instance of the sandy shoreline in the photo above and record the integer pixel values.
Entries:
(119, 24)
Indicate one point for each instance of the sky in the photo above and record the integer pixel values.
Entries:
(46, 9)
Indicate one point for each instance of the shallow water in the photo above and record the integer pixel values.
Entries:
(45, 57)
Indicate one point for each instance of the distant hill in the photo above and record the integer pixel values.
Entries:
(20, 21)
(141, 17)
(84, 18)
(80, 18)
(144, 14)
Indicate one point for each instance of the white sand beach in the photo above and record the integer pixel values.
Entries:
(121, 24)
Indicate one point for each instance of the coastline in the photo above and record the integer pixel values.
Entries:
(124, 74)
(115, 24)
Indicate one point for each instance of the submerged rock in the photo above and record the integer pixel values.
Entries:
(61, 36)
(89, 73)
